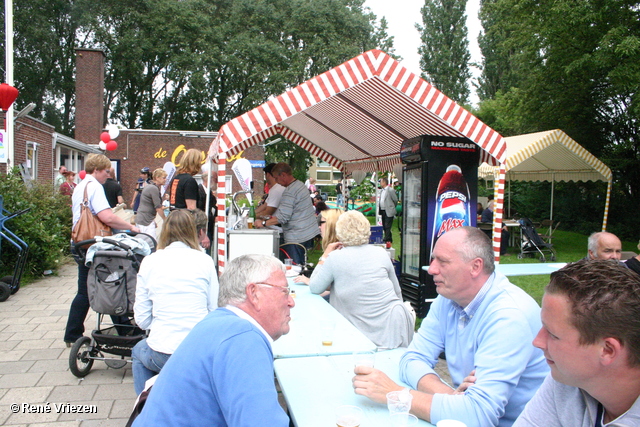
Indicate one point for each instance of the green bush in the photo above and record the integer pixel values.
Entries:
(46, 228)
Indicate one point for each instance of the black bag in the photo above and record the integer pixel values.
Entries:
(112, 283)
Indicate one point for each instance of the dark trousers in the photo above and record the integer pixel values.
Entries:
(504, 239)
(296, 253)
(387, 224)
(80, 306)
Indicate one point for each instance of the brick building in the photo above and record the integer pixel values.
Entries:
(39, 150)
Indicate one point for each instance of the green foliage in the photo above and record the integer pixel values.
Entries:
(445, 49)
(190, 64)
(363, 191)
(290, 153)
(46, 228)
(573, 66)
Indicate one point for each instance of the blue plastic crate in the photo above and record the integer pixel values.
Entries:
(376, 234)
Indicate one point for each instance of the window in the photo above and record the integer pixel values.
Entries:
(337, 175)
(321, 163)
(323, 175)
(31, 164)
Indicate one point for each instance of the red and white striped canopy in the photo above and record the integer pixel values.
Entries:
(356, 115)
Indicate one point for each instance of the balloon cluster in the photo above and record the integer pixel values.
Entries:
(107, 142)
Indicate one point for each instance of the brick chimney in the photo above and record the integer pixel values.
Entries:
(89, 95)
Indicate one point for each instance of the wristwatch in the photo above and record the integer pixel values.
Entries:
(264, 223)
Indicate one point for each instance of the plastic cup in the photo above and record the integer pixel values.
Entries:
(450, 423)
(399, 402)
(327, 331)
(288, 263)
(403, 419)
(348, 416)
(364, 358)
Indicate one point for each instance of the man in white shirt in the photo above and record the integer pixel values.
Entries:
(269, 207)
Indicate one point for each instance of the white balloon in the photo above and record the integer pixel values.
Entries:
(102, 145)
(113, 131)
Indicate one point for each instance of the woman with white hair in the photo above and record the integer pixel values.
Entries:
(363, 283)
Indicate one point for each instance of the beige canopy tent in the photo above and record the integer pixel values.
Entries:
(354, 116)
(550, 156)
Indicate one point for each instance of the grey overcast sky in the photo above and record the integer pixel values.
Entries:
(402, 15)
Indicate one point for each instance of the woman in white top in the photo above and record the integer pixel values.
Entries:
(177, 286)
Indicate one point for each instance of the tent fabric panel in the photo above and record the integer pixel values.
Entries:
(324, 138)
(301, 97)
(546, 156)
(444, 116)
(456, 116)
(372, 165)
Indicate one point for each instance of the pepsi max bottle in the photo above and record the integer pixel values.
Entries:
(452, 203)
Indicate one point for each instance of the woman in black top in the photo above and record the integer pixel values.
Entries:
(184, 187)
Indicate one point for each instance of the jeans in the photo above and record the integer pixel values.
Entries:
(296, 252)
(80, 306)
(146, 363)
(339, 200)
(387, 224)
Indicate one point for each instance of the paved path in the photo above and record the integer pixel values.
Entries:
(34, 367)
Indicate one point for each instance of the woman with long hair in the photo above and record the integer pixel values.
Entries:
(328, 219)
(177, 287)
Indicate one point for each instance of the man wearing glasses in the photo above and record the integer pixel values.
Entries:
(222, 373)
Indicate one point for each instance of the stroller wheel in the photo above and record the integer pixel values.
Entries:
(553, 258)
(5, 291)
(116, 363)
(9, 280)
(520, 256)
(80, 361)
(543, 259)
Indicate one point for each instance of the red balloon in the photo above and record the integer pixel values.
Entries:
(82, 174)
(8, 94)
(104, 136)
(112, 145)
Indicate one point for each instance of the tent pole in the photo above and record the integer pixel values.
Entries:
(606, 206)
(553, 180)
(498, 209)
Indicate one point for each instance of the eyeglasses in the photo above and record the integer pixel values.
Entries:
(323, 222)
(285, 289)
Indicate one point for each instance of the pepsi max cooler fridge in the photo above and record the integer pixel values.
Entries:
(439, 193)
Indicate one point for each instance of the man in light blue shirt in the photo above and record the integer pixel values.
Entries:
(485, 326)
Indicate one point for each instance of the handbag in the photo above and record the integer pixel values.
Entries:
(89, 225)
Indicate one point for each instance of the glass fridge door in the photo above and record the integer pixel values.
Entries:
(411, 222)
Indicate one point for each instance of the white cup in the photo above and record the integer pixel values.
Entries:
(403, 419)
(364, 358)
(399, 401)
(450, 423)
(348, 416)
(327, 332)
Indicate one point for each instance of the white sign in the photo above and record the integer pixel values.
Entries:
(3, 140)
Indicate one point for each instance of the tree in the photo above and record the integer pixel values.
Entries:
(445, 50)
(190, 64)
(574, 66)
(44, 59)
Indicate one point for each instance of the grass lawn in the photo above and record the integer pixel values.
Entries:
(569, 247)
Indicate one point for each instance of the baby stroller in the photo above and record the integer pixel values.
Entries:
(532, 243)
(111, 286)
